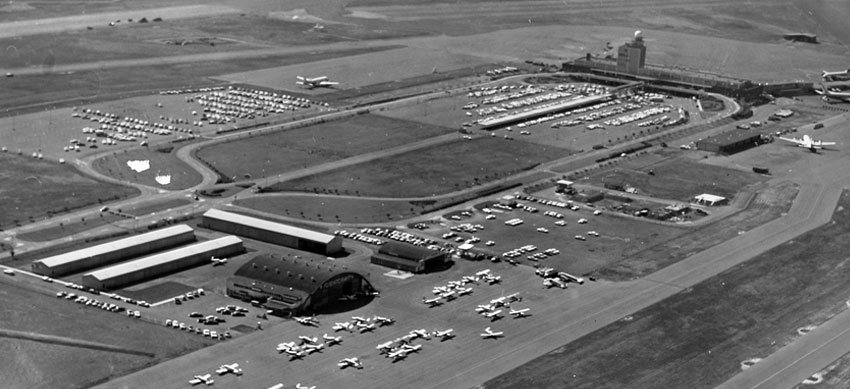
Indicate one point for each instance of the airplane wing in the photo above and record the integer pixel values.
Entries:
(827, 143)
(792, 140)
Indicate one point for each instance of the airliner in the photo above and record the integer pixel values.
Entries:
(808, 143)
(315, 82)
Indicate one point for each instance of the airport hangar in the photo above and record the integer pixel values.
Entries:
(115, 251)
(289, 286)
(730, 142)
(163, 263)
(410, 258)
(271, 232)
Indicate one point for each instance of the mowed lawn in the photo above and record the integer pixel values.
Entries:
(43, 365)
(164, 162)
(430, 171)
(679, 179)
(283, 151)
(699, 337)
(32, 188)
(333, 208)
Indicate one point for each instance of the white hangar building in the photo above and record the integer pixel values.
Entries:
(115, 251)
(272, 232)
(163, 263)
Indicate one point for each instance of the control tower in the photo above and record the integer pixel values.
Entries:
(632, 56)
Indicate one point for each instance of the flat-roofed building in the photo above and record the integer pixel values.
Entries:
(272, 232)
(296, 285)
(162, 263)
(407, 257)
(112, 252)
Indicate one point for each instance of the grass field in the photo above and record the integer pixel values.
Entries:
(283, 151)
(768, 204)
(332, 208)
(46, 365)
(163, 162)
(431, 171)
(678, 179)
(34, 188)
(748, 311)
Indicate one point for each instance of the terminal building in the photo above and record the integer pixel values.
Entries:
(290, 286)
(112, 252)
(410, 258)
(164, 263)
(272, 232)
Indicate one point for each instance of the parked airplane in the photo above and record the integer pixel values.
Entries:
(307, 339)
(299, 386)
(488, 333)
(419, 334)
(359, 319)
(383, 321)
(218, 261)
(443, 335)
(350, 362)
(464, 291)
(312, 348)
(346, 326)
(834, 76)
(449, 296)
(411, 349)
(295, 354)
(315, 82)
(232, 368)
(330, 340)
(205, 379)
(385, 347)
(307, 320)
(833, 94)
(485, 308)
(366, 327)
(432, 302)
(809, 143)
(277, 386)
(494, 315)
(520, 312)
(398, 355)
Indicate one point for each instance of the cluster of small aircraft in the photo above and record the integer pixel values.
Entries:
(492, 311)
(363, 324)
(454, 289)
(206, 379)
(307, 346)
(400, 348)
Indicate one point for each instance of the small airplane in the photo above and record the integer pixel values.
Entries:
(315, 82)
(346, 326)
(432, 302)
(295, 354)
(307, 320)
(498, 302)
(232, 368)
(285, 347)
(299, 386)
(469, 279)
(276, 386)
(218, 261)
(513, 297)
(494, 279)
(464, 291)
(520, 312)
(385, 347)
(330, 340)
(411, 349)
(495, 315)
(350, 362)
(483, 273)
(312, 348)
(808, 143)
(443, 335)
(383, 321)
(420, 334)
(552, 282)
(485, 308)
(366, 327)
(204, 379)
(359, 319)
(398, 355)
(449, 296)
(307, 339)
(488, 333)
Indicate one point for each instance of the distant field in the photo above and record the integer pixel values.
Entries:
(35, 188)
(283, 151)
(431, 171)
(48, 365)
(679, 179)
(748, 311)
(161, 163)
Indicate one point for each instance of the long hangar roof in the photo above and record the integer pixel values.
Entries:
(168, 256)
(304, 275)
(269, 225)
(120, 244)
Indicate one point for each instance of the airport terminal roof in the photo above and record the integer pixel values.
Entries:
(731, 137)
(577, 102)
(271, 226)
(120, 244)
(407, 251)
(299, 274)
(168, 256)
